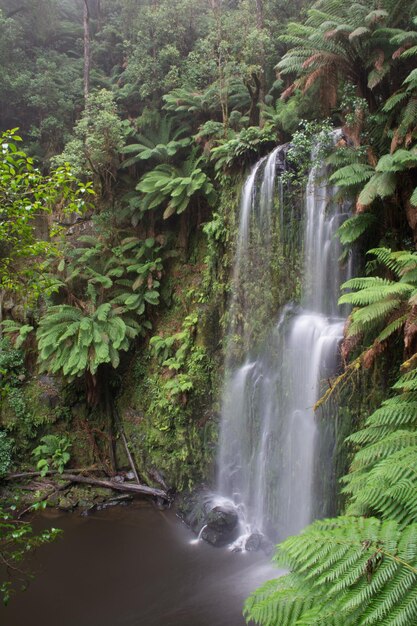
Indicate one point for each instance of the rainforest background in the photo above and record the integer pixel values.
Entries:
(128, 128)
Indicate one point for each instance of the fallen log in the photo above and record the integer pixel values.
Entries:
(76, 477)
(49, 473)
(109, 484)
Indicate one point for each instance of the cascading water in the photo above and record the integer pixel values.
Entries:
(275, 460)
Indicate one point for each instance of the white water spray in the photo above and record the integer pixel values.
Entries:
(271, 462)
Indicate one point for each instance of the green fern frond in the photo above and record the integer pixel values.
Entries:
(353, 174)
(280, 601)
(394, 101)
(345, 571)
(369, 316)
(354, 227)
(377, 293)
(389, 489)
(382, 184)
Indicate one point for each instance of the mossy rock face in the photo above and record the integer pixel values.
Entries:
(29, 411)
(166, 403)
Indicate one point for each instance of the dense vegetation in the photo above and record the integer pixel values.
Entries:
(138, 122)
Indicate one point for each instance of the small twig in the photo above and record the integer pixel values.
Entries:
(45, 497)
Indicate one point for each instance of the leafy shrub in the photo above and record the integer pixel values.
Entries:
(244, 146)
(12, 368)
(6, 447)
(53, 453)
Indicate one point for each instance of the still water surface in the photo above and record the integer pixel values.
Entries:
(134, 566)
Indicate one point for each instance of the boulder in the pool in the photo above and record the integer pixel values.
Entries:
(254, 542)
(221, 525)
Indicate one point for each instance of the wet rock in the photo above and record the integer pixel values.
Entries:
(215, 522)
(66, 503)
(257, 541)
(221, 525)
(214, 537)
(254, 542)
(192, 509)
(222, 518)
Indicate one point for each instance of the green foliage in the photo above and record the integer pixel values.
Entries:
(25, 193)
(385, 305)
(354, 227)
(384, 181)
(244, 146)
(72, 343)
(346, 571)
(159, 142)
(352, 175)
(52, 453)
(114, 284)
(98, 139)
(16, 414)
(310, 144)
(17, 541)
(175, 187)
(12, 367)
(6, 449)
(383, 479)
(19, 332)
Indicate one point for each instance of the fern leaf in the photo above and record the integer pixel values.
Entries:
(354, 227)
(382, 184)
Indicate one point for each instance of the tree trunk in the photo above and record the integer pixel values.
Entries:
(260, 23)
(259, 14)
(87, 49)
(110, 421)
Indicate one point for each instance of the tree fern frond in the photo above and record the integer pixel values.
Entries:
(382, 184)
(369, 316)
(374, 294)
(354, 227)
(353, 174)
(362, 573)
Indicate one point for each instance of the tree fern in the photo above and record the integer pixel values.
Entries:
(158, 142)
(384, 302)
(345, 571)
(174, 187)
(389, 489)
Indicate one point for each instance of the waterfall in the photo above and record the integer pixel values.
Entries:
(275, 455)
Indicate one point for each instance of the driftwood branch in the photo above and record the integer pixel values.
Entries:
(121, 429)
(76, 476)
(109, 484)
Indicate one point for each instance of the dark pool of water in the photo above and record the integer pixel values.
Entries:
(134, 566)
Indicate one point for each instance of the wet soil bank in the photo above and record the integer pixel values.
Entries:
(134, 566)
